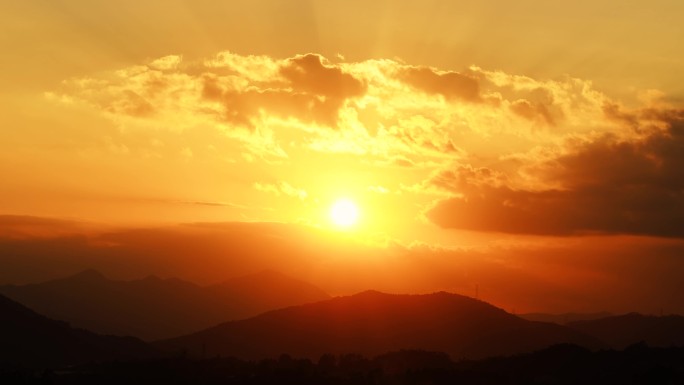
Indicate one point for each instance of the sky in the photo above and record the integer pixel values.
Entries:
(532, 149)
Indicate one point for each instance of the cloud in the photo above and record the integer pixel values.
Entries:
(378, 189)
(304, 88)
(169, 62)
(308, 74)
(605, 184)
(464, 177)
(133, 104)
(281, 188)
(214, 204)
(447, 84)
(31, 227)
(384, 108)
(512, 153)
(534, 112)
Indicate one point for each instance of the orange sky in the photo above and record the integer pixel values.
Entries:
(460, 129)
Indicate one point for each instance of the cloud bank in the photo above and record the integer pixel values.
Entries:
(498, 152)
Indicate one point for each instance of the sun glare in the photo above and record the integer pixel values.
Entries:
(344, 213)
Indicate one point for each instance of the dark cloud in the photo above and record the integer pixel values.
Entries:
(465, 177)
(451, 85)
(314, 93)
(308, 74)
(606, 186)
(199, 253)
(533, 112)
(439, 144)
(24, 226)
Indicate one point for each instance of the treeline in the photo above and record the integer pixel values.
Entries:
(560, 364)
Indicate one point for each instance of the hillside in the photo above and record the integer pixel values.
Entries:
(564, 318)
(30, 339)
(624, 330)
(372, 323)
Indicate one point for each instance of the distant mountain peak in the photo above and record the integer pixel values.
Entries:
(89, 275)
(439, 294)
(372, 293)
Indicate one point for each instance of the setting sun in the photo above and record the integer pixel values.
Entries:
(344, 213)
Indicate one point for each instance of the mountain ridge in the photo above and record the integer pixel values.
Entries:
(371, 323)
(153, 308)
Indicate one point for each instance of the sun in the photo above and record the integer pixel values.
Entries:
(344, 213)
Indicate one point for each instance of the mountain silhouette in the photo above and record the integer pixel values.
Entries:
(624, 330)
(30, 339)
(153, 308)
(372, 323)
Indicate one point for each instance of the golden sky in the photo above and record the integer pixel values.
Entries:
(450, 124)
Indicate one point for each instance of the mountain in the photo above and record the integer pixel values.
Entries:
(30, 339)
(372, 323)
(153, 308)
(564, 318)
(624, 330)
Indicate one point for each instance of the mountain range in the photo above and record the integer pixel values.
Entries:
(621, 331)
(369, 323)
(153, 308)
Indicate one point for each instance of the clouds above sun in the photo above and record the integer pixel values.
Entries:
(485, 150)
